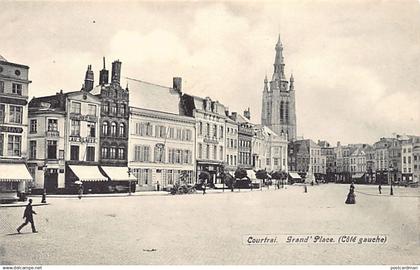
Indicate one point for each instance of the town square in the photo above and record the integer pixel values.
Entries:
(210, 229)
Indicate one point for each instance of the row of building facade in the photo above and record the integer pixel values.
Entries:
(104, 135)
(395, 159)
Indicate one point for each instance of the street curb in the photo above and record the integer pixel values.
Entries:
(23, 205)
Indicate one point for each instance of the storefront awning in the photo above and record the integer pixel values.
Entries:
(358, 175)
(294, 175)
(14, 173)
(118, 173)
(88, 173)
(251, 174)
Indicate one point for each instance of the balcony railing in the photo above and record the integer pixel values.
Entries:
(52, 133)
(209, 139)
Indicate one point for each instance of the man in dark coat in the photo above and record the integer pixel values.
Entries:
(27, 215)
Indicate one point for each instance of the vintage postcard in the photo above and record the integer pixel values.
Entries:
(209, 133)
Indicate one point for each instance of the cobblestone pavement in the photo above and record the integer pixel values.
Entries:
(209, 229)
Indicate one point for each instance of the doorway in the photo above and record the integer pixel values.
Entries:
(51, 180)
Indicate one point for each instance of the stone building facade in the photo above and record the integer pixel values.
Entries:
(278, 101)
(245, 134)
(162, 142)
(14, 84)
(64, 138)
(210, 117)
(231, 146)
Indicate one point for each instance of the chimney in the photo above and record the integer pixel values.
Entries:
(234, 115)
(177, 84)
(89, 80)
(103, 75)
(116, 72)
(247, 114)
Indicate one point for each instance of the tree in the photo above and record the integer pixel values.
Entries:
(229, 180)
(240, 173)
(204, 176)
(261, 174)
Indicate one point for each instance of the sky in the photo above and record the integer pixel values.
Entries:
(356, 63)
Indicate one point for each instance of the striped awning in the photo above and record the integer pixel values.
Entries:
(251, 174)
(358, 175)
(118, 173)
(14, 173)
(88, 173)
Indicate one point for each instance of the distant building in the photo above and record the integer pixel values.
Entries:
(245, 134)
(231, 145)
(278, 102)
(305, 158)
(269, 150)
(14, 85)
(410, 159)
(210, 117)
(328, 156)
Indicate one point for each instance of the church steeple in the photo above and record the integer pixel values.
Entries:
(292, 80)
(265, 84)
(279, 62)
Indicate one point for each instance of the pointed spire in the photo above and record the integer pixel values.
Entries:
(265, 84)
(279, 62)
(279, 44)
(292, 79)
(265, 79)
(103, 58)
(126, 87)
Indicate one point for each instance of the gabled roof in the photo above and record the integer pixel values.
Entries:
(153, 97)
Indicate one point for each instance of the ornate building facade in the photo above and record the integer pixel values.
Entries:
(278, 102)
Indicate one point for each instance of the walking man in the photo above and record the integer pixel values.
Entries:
(81, 192)
(27, 215)
(157, 186)
(380, 188)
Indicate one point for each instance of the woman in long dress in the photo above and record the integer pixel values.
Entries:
(351, 196)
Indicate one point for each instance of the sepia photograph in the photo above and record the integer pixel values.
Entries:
(222, 133)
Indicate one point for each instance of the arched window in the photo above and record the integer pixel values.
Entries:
(281, 111)
(286, 113)
(113, 129)
(121, 152)
(121, 131)
(105, 128)
(105, 151)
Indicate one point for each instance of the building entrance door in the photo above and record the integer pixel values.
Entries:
(51, 180)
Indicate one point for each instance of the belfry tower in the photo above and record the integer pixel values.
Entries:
(278, 102)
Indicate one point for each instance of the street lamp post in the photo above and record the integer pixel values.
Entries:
(391, 192)
(129, 181)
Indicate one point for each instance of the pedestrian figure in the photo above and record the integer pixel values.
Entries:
(80, 192)
(380, 188)
(44, 196)
(27, 215)
(204, 188)
(306, 188)
(158, 186)
(351, 197)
